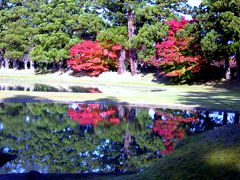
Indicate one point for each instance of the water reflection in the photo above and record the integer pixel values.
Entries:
(172, 128)
(48, 88)
(95, 137)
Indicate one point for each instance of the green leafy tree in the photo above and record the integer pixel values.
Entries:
(216, 31)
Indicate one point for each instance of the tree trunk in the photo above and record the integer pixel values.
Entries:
(158, 76)
(227, 70)
(225, 115)
(120, 112)
(1, 59)
(27, 60)
(132, 52)
(236, 118)
(132, 114)
(25, 64)
(6, 63)
(208, 121)
(1, 64)
(32, 65)
(127, 141)
(15, 64)
(238, 65)
(121, 66)
(54, 66)
(61, 66)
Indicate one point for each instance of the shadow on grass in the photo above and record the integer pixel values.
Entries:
(226, 100)
(79, 74)
(231, 85)
(35, 99)
(44, 71)
(25, 99)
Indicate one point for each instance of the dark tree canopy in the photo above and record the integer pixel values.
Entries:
(216, 30)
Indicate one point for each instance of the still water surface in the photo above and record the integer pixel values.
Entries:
(92, 138)
(48, 88)
(76, 88)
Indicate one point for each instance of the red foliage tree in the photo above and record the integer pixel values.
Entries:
(91, 57)
(171, 52)
(92, 114)
(169, 129)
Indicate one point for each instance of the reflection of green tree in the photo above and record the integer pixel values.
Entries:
(46, 140)
(144, 139)
(151, 142)
(37, 133)
(143, 147)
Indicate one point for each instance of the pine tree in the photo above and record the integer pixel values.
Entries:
(61, 24)
(16, 32)
(216, 30)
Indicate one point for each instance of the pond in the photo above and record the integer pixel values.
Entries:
(74, 88)
(95, 138)
(48, 88)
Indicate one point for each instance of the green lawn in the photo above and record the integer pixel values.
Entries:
(183, 96)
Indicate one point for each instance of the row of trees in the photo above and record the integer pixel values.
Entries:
(122, 33)
(42, 32)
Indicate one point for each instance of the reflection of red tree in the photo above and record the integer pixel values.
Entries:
(169, 129)
(92, 114)
(94, 90)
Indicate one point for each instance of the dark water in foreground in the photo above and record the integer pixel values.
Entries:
(86, 138)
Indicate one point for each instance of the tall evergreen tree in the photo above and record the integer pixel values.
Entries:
(43, 31)
(60, 24)
(15, 33)
(216, 30)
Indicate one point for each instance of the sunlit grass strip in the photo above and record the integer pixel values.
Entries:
(161, 99)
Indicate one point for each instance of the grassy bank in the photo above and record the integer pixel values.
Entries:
(212, 155)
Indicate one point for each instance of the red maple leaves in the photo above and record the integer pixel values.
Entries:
(92, 57)
(170, 52)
